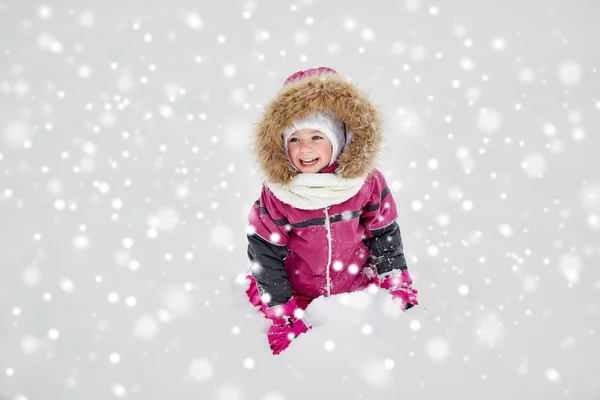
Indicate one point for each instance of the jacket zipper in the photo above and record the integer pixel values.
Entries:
(328, 227)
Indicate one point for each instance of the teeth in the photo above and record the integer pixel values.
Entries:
(309, 161)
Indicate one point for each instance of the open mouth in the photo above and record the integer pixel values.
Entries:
(309, 162)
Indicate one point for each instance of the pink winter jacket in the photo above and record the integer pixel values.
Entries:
(302, 252)
(328, 250)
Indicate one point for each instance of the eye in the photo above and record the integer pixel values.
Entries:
(293, 139)
(317, 137)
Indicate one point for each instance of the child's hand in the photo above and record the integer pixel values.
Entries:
(408, 297)
(400, 288)
(280, 336)
(286, 326)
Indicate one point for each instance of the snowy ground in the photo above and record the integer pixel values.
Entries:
(126, 179)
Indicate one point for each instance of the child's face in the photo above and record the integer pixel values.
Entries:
(309, 150)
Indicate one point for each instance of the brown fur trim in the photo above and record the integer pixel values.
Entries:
(304, 97)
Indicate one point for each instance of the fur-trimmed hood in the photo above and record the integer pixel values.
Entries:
(305, 96)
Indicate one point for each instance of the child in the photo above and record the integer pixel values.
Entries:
(325, 220)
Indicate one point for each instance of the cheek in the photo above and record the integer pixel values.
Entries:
(292, 151)
(325, 150)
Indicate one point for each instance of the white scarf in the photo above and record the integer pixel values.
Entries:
(314, 191)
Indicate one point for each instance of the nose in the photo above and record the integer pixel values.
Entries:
(305, 146)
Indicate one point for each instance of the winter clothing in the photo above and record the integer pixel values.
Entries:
(325, 122)
(321, 251)
(332, 232)
(305, 96)
(281, 336)
(317, 191)
(285, 325)
(309, 72)
(400, 288)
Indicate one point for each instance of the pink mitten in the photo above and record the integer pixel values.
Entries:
(286, 327)
(400, 288)
(280, 337)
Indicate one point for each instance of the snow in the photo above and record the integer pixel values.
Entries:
(329, 345)
(201, 369)
(338, 265)
(194, 21)
(534, 165)
(229, 70)
(467, 205)
(274, 396)
(16, 133)
(87, 19)
(415, 325)
(367, 34)
(67, 285)
(221, 236)
(229, 392)
(119, 390)
(177, 300)
(593, 221)
(417, 205)
(29, 344)
(44, 12)
(553, 375)
(409, 123)
(413, 5)
(113, 297)
(590, 196)
(53, 334)
(145, 328)
(350, 23)
(490, 330)
(249, 363)
(570, 73)
(499, 44)
(115, 358)
(489, 121)
(31, 276)
(433, 251)
(570, 266)
(166, 219)
(530, 284)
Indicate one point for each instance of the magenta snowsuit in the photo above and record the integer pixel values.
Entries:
(300, 253)
(327, 250)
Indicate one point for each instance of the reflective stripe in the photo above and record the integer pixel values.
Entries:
(384, 194)
(328, 227)
(280, 222)
(263, 210)
(309, 222)
(345, 216)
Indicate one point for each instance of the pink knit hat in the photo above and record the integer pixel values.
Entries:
(309, 72)
(324, 121)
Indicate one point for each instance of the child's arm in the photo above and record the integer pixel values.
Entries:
(267, 240)
(385, 241)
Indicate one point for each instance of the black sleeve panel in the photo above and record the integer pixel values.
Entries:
(271, 277)
(386, 246)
